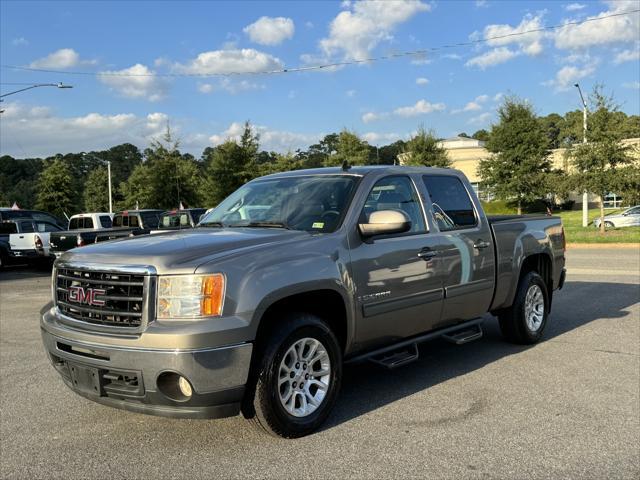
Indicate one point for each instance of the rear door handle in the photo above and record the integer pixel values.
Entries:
(427, 254)
(480, 244)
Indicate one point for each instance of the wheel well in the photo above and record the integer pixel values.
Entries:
(326, 304)
(541, 264)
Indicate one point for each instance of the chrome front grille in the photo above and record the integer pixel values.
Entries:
(102, 298)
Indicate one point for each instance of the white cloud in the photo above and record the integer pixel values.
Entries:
(627, 56)
(481, 3)
(350, 93)
(20, 42)
(620, 29)
(369, 117)
(529, 43)
(568, 75)
(498, 96)
(270, 30)
(422, 81)
(137, 81)
(474, 105)
(421, 107)
(572, 7)
(491, 58)
(361, 26)
(246, 60)
(420, 59)
(277, 140)
(230, 86)
(481, 119)
(375, 138)
(633, 85)
(60, 59)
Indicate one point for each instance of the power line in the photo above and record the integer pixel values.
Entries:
(413, 53)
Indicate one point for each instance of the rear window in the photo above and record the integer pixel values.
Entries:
(105, 221)
(26, 227)
(452, 206)
(121, 221)
(150, 220)
(47, 227)
(8, 228)
(173, 220)
(80, 222)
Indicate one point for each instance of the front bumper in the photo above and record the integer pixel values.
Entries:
(135, 378)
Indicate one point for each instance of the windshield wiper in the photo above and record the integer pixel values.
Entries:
(263, 224)
(211, 224)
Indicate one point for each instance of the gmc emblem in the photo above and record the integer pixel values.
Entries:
(78, 294)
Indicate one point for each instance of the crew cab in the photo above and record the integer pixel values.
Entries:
(16, 214)
(130, 223)
(29, 240)
(285, 281)
(82, 230)
(179, 219)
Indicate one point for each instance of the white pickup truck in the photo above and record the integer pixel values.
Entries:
(82, 231)
(30, 240)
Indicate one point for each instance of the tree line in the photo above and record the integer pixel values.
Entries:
(160, 176)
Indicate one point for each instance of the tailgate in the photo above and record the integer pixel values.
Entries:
(63, 241)
(22, 241)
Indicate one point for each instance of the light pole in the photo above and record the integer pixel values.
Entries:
(36, 85)
(585, 195)
(108, 175)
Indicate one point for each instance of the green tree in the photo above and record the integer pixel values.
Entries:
(517, 168)
(96, 191)
(230, 165)
(349, 148)
(56, 189)
(481, 135)
(18, 180)
(137, 190)
(553, 125)
(598, 161)
(424, 149)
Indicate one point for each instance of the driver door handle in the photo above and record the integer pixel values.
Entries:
(427, 254)
(480, 244)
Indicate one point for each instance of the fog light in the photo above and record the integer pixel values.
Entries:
(185, 387)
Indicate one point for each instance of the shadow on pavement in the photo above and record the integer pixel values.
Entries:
(367, 387)
(20, 272)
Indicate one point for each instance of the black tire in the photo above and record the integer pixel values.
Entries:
(513, 322)
(262, 402)
(609, 225)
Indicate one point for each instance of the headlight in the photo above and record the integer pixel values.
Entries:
(190, 296)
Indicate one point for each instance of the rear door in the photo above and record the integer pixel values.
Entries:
(467, 250)
(398, 278)
(24, 240)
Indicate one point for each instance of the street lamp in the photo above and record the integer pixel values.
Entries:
(585, 195)
(36, 85)
(108, 175)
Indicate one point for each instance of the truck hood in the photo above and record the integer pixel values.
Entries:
(180, 251)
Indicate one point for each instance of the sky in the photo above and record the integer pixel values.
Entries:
(140, 66)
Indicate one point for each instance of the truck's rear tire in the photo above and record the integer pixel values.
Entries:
(296, 379)
(525, 320)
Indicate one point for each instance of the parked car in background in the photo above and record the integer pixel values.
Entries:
(9, 214)
(179, 219)
(29, 243)
(130, 223)
(627, 218)
(83, 229)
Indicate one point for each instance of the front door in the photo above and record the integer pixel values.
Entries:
(397, 277)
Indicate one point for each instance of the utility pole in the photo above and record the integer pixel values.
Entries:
(109, 175)
(585, 195)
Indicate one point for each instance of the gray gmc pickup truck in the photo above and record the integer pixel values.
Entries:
(295, 274)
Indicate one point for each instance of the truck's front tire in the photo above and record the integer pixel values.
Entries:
(525, 320)
(297, 377)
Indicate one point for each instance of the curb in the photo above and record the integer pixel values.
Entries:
(596, 246)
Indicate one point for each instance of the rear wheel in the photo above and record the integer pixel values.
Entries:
(525, 320)
(609, 225)
(296, 379)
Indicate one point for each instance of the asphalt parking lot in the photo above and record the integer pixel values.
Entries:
(568, 407)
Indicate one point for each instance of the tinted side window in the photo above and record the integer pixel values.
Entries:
(27, 227)
(120, 221)
(452, 207)
(150, 220)
(133, 221)
(47, 227)
(8, 227)
(105, 221)
(396, 193)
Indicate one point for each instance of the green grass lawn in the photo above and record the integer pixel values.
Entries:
(576, 233)
(572, 221)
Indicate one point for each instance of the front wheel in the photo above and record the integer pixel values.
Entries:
(297, 377)
(525, 320)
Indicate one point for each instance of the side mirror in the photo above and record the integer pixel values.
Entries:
(385, 222)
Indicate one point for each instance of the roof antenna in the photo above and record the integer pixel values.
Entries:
(345, 165)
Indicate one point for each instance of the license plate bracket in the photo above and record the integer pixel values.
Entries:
(86, 379)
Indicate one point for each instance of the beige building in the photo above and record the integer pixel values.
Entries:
(466, 153)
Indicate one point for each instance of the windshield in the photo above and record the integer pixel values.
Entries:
(313, 203)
